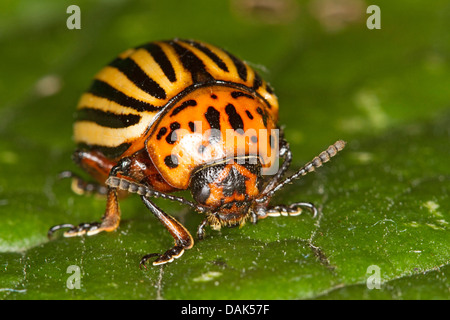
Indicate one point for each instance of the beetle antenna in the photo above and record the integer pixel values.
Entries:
(315, 163)
(143, 190)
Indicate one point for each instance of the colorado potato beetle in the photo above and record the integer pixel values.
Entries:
(183, 115)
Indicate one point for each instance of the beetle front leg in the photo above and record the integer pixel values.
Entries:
(98, 166)
(294, 209)
(201, 229)
(110, 220)
(182, 237)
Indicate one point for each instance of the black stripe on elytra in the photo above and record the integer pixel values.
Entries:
(192, 63)
(161, 133)
(136, 75)
(240, 66)
(102, 89)
(234, 118)
(249, 114)
(184, 105)
(219, 62)
(237, 94)
(213, 118)
(109, 152)
(257, 82)
(161, 59)
(107, 119)
(263, 115)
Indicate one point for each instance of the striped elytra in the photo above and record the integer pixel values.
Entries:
(130, 94)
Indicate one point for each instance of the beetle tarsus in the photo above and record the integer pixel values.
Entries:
(182, 237)
(201, 230)
(53, 229)
(145, 258)
(79, 230)
(84, 228)
(294, 209)
(168, 256)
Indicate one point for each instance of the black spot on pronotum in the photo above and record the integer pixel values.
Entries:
(249, 114)
(184, 105)
(234, 118)
(161, 133)
(213, 118)
(174, 126)
(191, 126)
(171, 161)
(172, 136)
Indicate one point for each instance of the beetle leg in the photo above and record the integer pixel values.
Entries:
(122, 167)
(81, 186)
(94, 163)
(201, 229)
(182, 237)
(254, 217)
(110, 220)
(294, 209)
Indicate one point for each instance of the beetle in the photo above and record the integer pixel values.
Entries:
(157, 119)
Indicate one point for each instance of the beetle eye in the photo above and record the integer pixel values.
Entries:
(200, 192)
(200, 181)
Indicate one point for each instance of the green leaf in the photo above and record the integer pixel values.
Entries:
(384, 207)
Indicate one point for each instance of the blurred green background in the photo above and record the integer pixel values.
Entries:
(383, 202)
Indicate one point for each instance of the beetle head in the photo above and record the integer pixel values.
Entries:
(228, 189)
